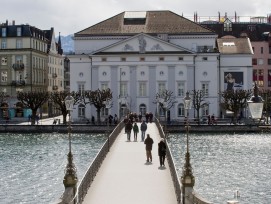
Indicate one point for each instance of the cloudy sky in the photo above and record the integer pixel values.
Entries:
(71, 16)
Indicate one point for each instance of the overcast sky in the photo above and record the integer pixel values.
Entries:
(71, 16)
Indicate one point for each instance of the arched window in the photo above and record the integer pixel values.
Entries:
(180, 110)
(81, 110)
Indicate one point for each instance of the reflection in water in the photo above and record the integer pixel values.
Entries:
(223, 164)
(32, 165)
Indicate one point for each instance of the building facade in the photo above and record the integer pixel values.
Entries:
(140, 54)
(26, 54)
(258, 30)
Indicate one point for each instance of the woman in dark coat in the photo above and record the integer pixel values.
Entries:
(162, 150)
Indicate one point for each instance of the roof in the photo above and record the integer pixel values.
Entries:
(153, 22)
(231, 45)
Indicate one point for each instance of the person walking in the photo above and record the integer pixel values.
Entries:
(135, 130)
(128, 129)
(143, 128)
(162, 150)
(148, 142)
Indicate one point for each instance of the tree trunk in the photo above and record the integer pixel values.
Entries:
(33, 117)
(65, 118)
(99, 116)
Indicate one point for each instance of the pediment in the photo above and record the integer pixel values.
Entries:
(142, 43)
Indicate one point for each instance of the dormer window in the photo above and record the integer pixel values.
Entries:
(227, 25)
(19, 31)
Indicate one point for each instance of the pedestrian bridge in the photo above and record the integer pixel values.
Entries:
(120, 174)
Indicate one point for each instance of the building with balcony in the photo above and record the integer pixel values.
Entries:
(140, 54)
(29, 56)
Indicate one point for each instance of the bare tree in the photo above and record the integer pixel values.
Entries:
(165, 100)
(235, 100)
(33, 100)
(59, 99)
(198, 101)
(98, 99)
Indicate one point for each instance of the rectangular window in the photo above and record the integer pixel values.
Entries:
(161, 87)
(81, 88)
(205, 58)
(123, 89)
(269, 61)
(104, 59)
(180, 89)
(81, 111)
(19, 43)
(260, 79)
(261, 50)
(260, 61)
(142, 59)
(205, 110)
(4, 76)
(180, 58)
(270, 50)
(123, 59)
(19, 59)
(142, 89)
(4, 43)
(19, 31)
(205, 89)
(181, 110)
(254, 61)
(104, 86)
(4, 32)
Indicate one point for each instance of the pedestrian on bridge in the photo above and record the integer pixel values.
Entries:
(128, 129)
(143, 128)
(162, 150)
(135, 130)
(148, 142)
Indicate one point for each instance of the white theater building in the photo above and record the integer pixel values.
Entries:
(139, 54)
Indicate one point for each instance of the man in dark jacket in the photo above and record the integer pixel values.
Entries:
(148, 142)
(128, 129)
(162, 149)
(143, 128)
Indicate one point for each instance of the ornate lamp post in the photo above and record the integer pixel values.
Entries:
(187, 178)
(255, 104)
(70, 178)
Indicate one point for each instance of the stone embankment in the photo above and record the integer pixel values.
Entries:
(86, 128)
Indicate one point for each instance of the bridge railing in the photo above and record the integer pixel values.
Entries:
(173, 172)
(95, 165)
(193, 197)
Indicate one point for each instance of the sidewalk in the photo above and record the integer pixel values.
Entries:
(45, 121)
(125, 176)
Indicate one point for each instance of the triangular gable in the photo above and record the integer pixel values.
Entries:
(142, 43)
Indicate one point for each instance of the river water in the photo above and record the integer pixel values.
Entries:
(32, 165)
(226, 163)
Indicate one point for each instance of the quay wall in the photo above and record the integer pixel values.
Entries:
(76, 128)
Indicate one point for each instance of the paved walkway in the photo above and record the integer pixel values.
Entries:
(126, 178)
(45, 121)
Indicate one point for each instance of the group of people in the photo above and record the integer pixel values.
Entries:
(134, 117)
(162, 150)
(212, 120)
(129, 127)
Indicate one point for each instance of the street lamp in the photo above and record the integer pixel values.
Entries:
(187, 178)
(107, 106)
(255, 103)
(70, 178)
